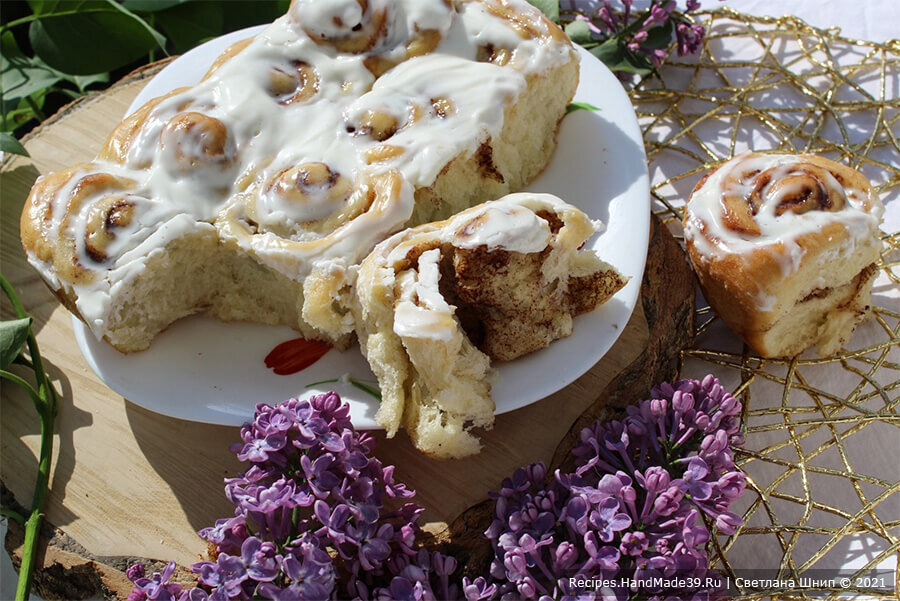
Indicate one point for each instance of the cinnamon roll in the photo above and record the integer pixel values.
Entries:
(785, 248)
(385, 33)
(437, 303)
(298, 152)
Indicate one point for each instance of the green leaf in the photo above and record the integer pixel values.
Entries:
(21, 76)
(89, 36)
(17, 112)
(83, 81)
(608, 52)
(8, 143)
(659, 37)
(581, 106)
(12, 119)
(637, 63)
(618, 58)
(548, 7)
(151, 6)
(13, 335)
(187, 24)
(580, 33)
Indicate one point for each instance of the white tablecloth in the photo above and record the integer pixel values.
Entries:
(875, 20)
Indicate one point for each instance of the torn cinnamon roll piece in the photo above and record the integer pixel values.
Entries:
(437, 303)
(785, 248)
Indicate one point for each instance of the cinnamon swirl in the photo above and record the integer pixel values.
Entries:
(785, 248)
(266, 184)
(437, 303)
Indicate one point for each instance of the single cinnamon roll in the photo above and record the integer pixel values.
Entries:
(127, 134)
(386, 33)
(62, 225)
(297, 82)
(785, 248)
(310, 197)
(318, 252)
(437, 303)
(191, 142)
(350, 26)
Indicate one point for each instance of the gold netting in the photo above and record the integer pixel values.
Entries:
(821, 494)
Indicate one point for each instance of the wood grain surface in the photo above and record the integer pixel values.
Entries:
(128, 483)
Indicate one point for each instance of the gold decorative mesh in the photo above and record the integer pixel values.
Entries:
(823, 490)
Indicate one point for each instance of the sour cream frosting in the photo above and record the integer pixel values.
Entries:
(776, 218)
(774, 203)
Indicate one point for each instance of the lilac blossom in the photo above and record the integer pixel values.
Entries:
(634, 506)
(642, 35)
(312, 485)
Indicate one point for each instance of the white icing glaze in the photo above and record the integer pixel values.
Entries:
(185, 178)
(705, 228)
(421, 311)
(503, 224)
(328, 19)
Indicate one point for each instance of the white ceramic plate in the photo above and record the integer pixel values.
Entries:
(204, 370)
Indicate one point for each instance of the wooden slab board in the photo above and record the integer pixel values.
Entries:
(128, 483)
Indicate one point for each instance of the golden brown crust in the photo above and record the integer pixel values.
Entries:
(227, 55)
(115, 149)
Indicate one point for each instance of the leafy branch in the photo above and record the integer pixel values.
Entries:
(15, 336)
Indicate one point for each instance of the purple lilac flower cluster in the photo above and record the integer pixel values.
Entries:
(312, 510)
(640, 34)
(634, 506)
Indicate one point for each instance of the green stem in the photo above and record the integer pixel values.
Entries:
(7, 26)
(13, 298)
(38, 113)
(33, 525)
(151, 56)
(49, 400)
(35, 398)
(12, 514)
